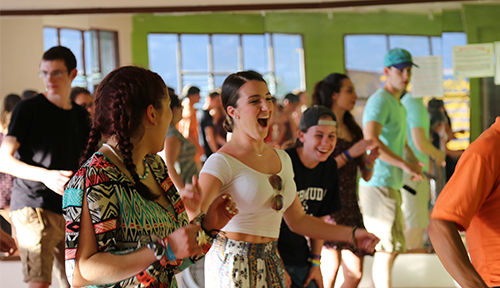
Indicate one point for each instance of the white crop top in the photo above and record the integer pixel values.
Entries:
(252, 193)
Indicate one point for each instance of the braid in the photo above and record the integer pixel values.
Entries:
(125, 145)
(94, 138)
(121, 101)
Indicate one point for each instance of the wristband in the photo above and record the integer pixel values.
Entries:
(353, 238)
(204, 237)
(162, 250)
(169, 253)
(315, 262)
(316, 256)
(346, 152)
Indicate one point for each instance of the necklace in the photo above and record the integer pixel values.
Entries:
(259, 155)
(146, 165)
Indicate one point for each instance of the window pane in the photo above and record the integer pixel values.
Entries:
(416, 45)
(365, 52)
(254, 53)
(218, 80)
(450, 40)
(287, 62)
(73, 40)
(108, 52)
(162, 49)
(437, 46)
(199, 80)
(225, 53)
(89, 70)
(49, 38)
(194, 52)
(95, 49)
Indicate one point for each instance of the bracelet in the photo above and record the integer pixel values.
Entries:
(316, 256)
(169, 253)
(204, 238)
(346, 152)
(315, 262)
(161, 248)
(343, 157)
(353, 238)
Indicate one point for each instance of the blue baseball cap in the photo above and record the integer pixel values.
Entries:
(399, 58)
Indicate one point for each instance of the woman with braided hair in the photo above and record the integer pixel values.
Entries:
(126, 225)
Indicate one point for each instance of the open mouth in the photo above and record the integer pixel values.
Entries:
(263, 121)
(323, 151)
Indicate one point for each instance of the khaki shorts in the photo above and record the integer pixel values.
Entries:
(382, 216)
(40, 236)
(416, 207)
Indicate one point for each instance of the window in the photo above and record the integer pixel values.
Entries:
(364, 56)
(205, 60)
(96, 52)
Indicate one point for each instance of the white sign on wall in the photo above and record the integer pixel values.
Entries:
(427, 78)
(474, 60)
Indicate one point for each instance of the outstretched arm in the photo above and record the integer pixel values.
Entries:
(315, 228)
(451, 251)
(53, 179)
(372, 130)
(423, 145)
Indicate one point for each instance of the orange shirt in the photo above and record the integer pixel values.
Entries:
(471, 199)
(188, 126)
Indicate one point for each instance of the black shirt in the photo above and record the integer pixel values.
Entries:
(49, 137)
(318, 190)
(206, 121)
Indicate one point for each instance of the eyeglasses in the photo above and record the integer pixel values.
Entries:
(278, 200)
(53, 74)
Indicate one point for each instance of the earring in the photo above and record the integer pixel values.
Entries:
(236, 117)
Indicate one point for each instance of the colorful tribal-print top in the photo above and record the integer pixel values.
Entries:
(120, 215)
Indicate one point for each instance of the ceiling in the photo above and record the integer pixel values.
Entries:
(64, 7)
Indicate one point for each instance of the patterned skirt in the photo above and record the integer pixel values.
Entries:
(231, 264)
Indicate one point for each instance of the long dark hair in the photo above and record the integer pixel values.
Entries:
(230, 92)
(121, 101)
(322, 95)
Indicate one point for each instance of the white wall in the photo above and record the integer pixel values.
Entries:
(21, 45)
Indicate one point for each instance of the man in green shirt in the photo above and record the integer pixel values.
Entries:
(380, 199)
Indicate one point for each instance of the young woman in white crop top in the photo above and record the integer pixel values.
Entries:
(260, 181)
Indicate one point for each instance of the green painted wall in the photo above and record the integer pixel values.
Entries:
(323, 34)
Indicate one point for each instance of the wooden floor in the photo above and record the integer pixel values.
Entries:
(422, 270)
(410, 271)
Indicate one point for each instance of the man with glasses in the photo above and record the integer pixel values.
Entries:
(46, 137)
(380, 199)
